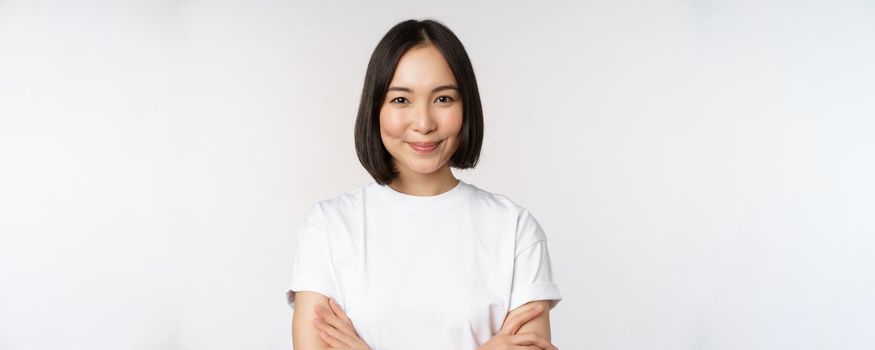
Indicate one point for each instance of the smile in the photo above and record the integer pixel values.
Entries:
(424, 147)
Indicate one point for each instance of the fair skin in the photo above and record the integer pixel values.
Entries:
(422, 105)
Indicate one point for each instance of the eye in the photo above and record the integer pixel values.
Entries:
(394, 99)
(449, 99)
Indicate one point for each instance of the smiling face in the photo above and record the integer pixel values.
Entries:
(421, 115)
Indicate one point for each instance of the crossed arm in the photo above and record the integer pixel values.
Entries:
(305, 335)
(539, 325)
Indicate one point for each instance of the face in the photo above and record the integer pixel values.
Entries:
(421, 115)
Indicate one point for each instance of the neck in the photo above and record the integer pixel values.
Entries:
(432, 184)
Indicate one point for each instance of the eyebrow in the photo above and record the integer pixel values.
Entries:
(439, 88)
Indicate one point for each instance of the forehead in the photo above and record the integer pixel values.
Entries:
(422, 68)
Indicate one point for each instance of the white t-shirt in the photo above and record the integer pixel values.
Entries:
(423, 272)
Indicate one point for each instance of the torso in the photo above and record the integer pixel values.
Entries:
(411, 273)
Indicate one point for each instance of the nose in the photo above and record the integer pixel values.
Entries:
(424, 123)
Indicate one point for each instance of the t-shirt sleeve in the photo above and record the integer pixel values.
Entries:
(312, 264)
(532, 272)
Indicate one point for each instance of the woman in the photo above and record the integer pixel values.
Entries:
(419, 259)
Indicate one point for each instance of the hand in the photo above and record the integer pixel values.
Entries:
(506, 338)
(336, 329)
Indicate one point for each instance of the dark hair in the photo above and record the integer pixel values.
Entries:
(403, 36)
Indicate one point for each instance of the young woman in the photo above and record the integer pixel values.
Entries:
(419, 259)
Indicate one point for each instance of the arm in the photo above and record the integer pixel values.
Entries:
(539, 325)
(305, 335)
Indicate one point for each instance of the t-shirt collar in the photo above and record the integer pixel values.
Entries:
(420, 203)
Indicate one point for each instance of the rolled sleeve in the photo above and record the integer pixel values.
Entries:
(312, 264)
(532, 270)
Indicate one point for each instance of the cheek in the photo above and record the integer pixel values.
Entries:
(453, 121)
(391, 123)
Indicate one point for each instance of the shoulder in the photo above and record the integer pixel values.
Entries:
(343, 199)
(340, 205)
(528, 230)
(498, 202)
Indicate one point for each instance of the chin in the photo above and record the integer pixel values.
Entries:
(425, 169)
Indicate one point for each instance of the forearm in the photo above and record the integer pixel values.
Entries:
(539, 325)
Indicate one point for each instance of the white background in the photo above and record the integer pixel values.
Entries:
(703, 169)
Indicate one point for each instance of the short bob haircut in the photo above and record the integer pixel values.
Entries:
(381, 68)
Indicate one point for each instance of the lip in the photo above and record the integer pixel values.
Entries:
(424, 147)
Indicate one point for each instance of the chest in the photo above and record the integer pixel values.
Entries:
(445, 276)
